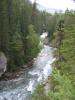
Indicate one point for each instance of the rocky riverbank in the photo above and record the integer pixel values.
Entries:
(16, 74)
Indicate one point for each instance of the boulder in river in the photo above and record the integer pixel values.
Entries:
(3, 63)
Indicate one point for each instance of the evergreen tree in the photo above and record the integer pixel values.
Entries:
(32, 44)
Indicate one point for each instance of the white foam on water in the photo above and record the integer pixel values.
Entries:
(44, 35)
(15, 94)
(30, 85)
(1, 98)
(47, 70)
(40, 78)
(34, 72)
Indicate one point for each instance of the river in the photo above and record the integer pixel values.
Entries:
(22, 88)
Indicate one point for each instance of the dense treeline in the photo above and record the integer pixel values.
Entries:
(14, 21)
(62, 81)
(16, 42)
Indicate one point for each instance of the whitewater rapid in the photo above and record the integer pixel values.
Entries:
(22, 88)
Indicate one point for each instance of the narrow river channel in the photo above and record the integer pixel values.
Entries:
(22, 88)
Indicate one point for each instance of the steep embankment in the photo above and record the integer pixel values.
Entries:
(64, 75)
(62, 80)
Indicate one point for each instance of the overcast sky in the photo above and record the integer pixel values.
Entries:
(57, 4)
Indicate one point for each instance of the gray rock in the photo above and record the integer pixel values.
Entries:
(3, 63)
(24, 66)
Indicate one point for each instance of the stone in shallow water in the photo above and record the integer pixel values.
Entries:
(3, 63)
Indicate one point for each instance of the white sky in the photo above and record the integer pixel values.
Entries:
(57, 4)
